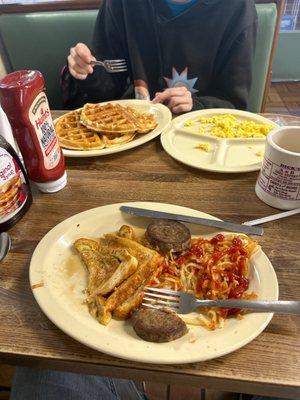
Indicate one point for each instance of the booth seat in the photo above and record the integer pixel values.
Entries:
(41, 40)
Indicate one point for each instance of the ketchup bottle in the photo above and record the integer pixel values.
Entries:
(23, 99)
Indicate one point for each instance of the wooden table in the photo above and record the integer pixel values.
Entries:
(269, 365)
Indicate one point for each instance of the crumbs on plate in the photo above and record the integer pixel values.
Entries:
(37, 285)
(204, 146)
(259, 153)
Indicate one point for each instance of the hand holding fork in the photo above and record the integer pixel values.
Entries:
(81, 62)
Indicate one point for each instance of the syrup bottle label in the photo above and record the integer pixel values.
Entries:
(13, 187)
(41, 120)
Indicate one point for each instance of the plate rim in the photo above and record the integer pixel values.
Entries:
(167, 134)
(126, 146)
(39, 296)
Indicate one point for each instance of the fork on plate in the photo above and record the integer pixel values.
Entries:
(111, 66)
(184, 303)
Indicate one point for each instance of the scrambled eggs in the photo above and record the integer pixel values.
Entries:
(229, 126)
(203, 146)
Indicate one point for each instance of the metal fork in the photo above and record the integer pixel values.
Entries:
(112, 66)
(184, 303)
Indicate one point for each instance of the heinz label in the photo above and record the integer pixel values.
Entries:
(13, 188)
(41, 119)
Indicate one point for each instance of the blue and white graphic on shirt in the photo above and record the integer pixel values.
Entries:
(181, 79)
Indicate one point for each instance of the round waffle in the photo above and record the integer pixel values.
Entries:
(112, 119)
(73, 135)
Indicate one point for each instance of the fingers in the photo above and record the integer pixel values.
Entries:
(84, 53)
(74, 70)
(79, 61)
(164, 96)
(177, 99)
(182, 108)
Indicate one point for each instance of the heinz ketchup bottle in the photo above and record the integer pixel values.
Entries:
(23, 99)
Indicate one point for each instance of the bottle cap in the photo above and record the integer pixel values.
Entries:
(52, 186)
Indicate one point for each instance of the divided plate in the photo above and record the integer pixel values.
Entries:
(225, 154)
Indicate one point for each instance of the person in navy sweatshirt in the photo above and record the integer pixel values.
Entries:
(187, 54)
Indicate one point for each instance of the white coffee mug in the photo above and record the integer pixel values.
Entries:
(278, 183)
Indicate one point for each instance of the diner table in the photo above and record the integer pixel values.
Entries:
(268, 365)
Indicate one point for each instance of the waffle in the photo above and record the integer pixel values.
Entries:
(73, 135)
(116, 140)
(112, 119)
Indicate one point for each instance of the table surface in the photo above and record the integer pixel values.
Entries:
(269, 365)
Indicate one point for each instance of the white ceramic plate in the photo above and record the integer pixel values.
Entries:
(63, 276)
(225, 155)
(162, 114)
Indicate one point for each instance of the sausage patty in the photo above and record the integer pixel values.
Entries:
(166, 235)
(158, 325)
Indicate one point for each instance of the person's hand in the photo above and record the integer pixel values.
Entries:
(79, 61)
(178, 99)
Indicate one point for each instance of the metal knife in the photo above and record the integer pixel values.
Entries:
(227, 226)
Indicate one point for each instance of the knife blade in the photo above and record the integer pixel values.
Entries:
(227, 226)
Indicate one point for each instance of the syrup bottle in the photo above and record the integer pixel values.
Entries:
(15, 194)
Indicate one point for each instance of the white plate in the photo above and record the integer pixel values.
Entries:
(225, 155)
(64, 278)
(162, 114)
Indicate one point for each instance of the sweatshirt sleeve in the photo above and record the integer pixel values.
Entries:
(233, 75)
(107, 44)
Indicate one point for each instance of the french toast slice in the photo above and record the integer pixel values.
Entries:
(107, 267)
(136, 249)
(128, 296)
(124, 310)
(119, 269)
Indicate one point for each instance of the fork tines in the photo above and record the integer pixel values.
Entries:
(116, 65)
(159, 298)
(120, 61)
